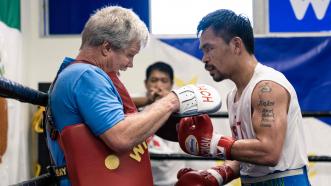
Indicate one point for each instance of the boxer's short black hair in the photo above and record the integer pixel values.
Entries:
(227, 24)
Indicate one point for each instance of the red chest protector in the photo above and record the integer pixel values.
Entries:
(91, 162)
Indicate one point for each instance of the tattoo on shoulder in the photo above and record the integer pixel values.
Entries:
(265, 88)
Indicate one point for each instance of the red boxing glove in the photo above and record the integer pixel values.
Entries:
(212, 177)
(196, 137)
(194, 134)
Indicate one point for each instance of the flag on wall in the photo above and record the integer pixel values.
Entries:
(14, 164)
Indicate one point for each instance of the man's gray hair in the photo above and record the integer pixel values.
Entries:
(117, 25)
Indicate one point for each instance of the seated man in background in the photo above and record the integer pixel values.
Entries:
(159, 82)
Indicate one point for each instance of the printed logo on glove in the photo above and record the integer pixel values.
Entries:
(197, 99)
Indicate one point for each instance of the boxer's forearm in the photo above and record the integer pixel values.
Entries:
(255, 151)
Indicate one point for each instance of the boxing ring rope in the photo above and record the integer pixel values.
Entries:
(45, 179)
(186, 157)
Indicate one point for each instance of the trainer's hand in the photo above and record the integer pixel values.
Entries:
(196, 137)
(197, 99)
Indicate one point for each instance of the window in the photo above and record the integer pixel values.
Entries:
(181, 17)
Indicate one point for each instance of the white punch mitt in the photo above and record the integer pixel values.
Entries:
(197, 99)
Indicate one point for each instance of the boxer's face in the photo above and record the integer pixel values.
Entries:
(217, 55)
(158, 83)
(123, 58)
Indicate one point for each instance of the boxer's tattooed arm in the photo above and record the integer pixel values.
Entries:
(266, 106)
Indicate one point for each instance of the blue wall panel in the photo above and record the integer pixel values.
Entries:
(282, 16)
(70, 16)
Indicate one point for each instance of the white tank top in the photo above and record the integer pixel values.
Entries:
(294, 152)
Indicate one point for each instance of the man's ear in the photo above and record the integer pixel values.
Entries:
(237, 44)
(105, 48)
